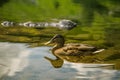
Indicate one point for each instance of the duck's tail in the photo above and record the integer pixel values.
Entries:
(98, 51)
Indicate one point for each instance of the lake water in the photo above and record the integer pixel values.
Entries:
(19, 62)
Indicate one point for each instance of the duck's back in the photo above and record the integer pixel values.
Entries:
(75, 49)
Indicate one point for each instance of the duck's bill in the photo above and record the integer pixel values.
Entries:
(47, 43)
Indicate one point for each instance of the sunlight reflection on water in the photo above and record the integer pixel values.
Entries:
(17, 62)
(93, 73)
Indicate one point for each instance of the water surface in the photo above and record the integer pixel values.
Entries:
(19, 62)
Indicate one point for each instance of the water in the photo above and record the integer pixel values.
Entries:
(19, 62)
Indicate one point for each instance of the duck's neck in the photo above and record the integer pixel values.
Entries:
(57, 46)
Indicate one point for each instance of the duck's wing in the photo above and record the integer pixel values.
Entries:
(86, 48)
(75, 49)
(79, 47)
(71, 51)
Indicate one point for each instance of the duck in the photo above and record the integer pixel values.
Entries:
(71, 49)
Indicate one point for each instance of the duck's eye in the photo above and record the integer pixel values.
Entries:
(58, 36)
(56, 39)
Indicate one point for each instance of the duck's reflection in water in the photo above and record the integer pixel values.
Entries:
(59, 61)
(56, 63)
(83, 71)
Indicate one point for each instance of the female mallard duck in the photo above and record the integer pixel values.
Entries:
(71, 49)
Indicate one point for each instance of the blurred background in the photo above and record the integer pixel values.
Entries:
(98, 23)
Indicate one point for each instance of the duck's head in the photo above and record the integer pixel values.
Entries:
(57, 39)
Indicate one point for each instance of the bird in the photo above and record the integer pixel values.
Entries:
(71, 49)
